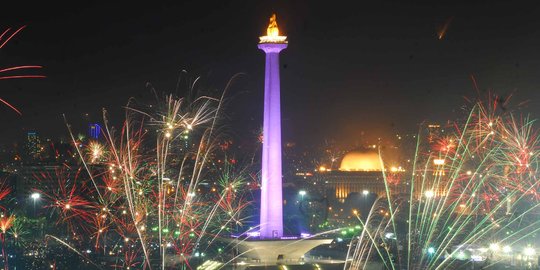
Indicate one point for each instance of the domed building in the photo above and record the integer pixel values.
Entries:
(360, 171)
(352, 187)
(361, 161)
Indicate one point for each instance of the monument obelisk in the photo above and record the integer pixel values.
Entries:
(271, 247)
(271, 223)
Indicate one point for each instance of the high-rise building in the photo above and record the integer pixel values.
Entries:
(434, 131)
(33, 145)
(94, 130)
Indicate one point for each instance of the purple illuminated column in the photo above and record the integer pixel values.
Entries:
(271, 197)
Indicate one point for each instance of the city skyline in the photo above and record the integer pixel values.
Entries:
(385, 135)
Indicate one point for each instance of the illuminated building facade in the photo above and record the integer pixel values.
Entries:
(33, 145)
(94, 131)
(360, 172)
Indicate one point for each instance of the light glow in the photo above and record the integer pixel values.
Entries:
(272, 33)
(494, 247)
(438, 161)
(529, 251)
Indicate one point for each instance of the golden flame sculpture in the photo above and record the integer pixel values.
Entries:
(272, 33)
(272, 30)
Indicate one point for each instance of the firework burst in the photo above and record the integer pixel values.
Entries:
(473, 188)
(7, 219)
(157, 190)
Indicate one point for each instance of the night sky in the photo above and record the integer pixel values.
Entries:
(377, 67)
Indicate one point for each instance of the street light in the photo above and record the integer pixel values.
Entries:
(430, 194)
(365, 192)
(494, 247)
(35, 196)
(529, 251)
(302, 193)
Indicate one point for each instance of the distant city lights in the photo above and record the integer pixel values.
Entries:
(529, 251)
(429, 194)
(438, 161)
(494, 247)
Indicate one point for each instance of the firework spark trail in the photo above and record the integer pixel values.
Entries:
(201, 116)
(469, 194)
(162, 162)
(67, 199)
(11, 106)
(7, 220)
(27, 76)
(138, 209)
(162, 150)
(73, 249)
(443, 203)
(359, 255)
(11, 36)
(22, 77)
(76, 146)
(15, 68)
(19, 233)
(442, 31)
(128, 176)
(228, 190)
(230, 220)
(474, 235)
(5, 223)
(127, 179)
(411, 197)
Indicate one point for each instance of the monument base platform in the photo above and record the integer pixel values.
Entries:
(254, 252)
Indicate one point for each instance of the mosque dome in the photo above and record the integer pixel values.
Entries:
(363, 161)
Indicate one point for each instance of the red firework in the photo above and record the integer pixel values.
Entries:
(70, 199)
(5, 37)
